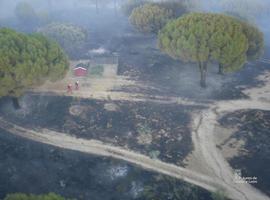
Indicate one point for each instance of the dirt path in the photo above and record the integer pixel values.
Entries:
(99, 148)
(211, 159)
(215, 171)
(220, 178)
(122, 96)
(108, 88)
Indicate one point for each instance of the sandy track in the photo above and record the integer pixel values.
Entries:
(203, 137)
(219, 174)
(98, 148)
(121, 96)
(105, 89)
(212, 160)
(221, 180)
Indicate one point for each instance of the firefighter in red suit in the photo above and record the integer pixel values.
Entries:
(69, 88)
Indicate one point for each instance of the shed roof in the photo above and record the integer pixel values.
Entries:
(82, 68)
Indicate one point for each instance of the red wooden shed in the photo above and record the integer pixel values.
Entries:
(80, 71)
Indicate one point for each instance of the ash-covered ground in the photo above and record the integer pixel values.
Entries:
(30, 167)
(157, 130)
(141, 58)
(253, 127)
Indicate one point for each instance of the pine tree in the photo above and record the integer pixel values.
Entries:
(27, 61)
(205, 37)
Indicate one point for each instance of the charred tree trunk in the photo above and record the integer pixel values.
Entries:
(15, 102)
(203, 70)
(220, 69)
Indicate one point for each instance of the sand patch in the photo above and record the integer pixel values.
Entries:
(229, 146)
(76, 110)
(144, 138)
(111, 107)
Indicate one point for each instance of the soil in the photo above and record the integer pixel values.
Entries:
(254, 160)
(31, 167)
(157, 130)
(141, 59)
(229, 146)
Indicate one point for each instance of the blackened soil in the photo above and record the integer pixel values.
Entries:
(140, 58)
(254, 128)
(158, 130)
(30, 167)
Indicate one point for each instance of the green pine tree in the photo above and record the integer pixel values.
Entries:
(27, 61)
(205, 37)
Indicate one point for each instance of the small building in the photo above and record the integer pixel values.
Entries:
(103, 66)
(80, 71)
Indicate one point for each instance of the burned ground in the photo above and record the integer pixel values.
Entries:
(31, 167)
(160, 131)
(254, 160)
(157, 130)
(140, 58)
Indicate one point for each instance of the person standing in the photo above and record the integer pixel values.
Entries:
(69, 88)
(77, 85)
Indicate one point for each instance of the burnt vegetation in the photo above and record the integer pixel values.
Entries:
(157, 130)
(252, 127)
(196, 50)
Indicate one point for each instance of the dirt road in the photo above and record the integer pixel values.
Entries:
(211, 159)
(221, 173)
(121, 96)
(203, 136)
(97, 147)
(216, 172)
(108, 89)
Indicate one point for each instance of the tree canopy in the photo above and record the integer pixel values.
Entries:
(205, 37)
(19, 196)
(28, 60)
(71, 38)
(178, 8)
(255, 41)
(130, 5)
(150, 18)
